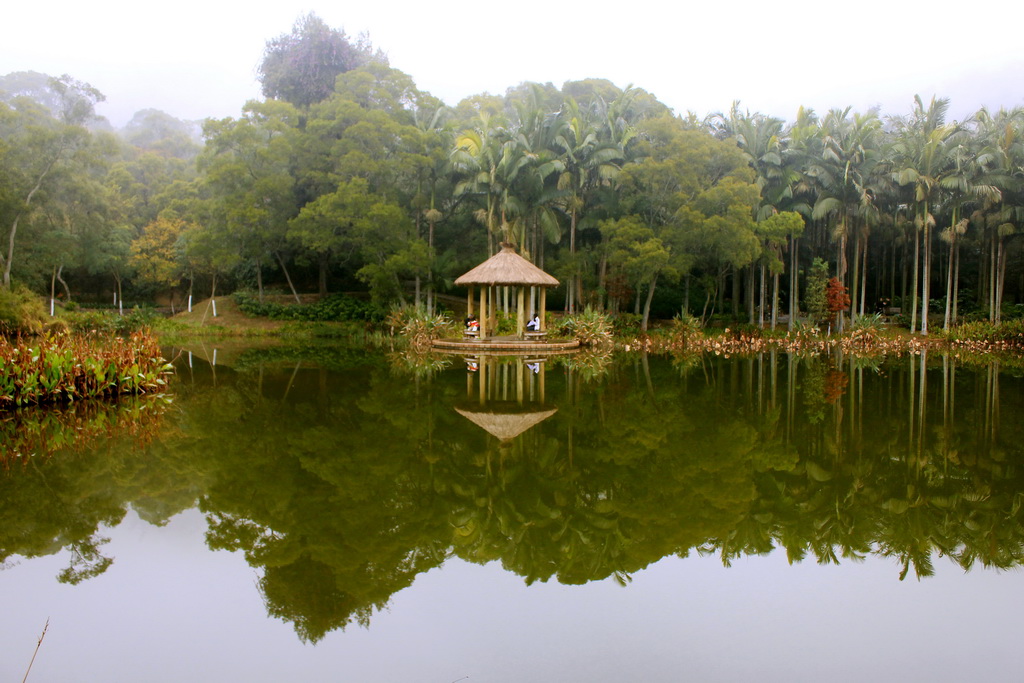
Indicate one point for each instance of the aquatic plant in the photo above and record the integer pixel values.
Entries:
(65, 367)
(37, 432)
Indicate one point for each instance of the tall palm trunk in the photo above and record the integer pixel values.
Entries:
(926, 276)
(775, 299)
(571, 286)
(913, 282)
(794, 285)
(949, 280)
(956, 282)
(855, 280)
(864, 276)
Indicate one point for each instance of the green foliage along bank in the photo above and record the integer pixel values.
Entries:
(66, 368)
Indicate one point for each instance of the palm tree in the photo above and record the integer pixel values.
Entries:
(589, 162)
(923, 159)
(1002, 159)
(762, 140)
(968, 184)
(843, 173)
(475, 160)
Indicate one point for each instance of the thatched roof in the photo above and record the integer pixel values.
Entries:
(505, 426)
(507, 268)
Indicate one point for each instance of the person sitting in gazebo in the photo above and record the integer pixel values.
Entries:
(534, 324)
(472, 324)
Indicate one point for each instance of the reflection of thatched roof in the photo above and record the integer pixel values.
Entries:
(505, 426)
(507, 268)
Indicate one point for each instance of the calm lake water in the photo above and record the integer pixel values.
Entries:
(334, 514)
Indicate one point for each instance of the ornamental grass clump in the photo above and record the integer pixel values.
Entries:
(590, 328)
(687, 331)
(417, 325)
(63, 368)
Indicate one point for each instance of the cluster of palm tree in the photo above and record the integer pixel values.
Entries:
(535, 174)
(890, 202)
(923, 187)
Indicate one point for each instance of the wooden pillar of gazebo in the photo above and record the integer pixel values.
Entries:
(542, 392)
(521, 313)
(482, 378)
(520, 378)
(483, 313)
(543, 308)
(469, 302)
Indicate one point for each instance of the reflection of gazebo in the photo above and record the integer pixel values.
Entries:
(505, 396)
(506, 425)
(508, 269)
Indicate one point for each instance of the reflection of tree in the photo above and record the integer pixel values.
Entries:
(78, 471)
(342, 484)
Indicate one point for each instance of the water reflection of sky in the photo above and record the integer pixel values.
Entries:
(168, 609)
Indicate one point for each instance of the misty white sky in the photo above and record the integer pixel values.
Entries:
(197, 59)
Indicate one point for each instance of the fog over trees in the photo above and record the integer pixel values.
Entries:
(347, 177)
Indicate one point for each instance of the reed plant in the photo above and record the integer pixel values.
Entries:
(66, 367)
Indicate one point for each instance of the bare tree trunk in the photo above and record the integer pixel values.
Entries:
(322, 278)
(686, 296)
(647, 304)
(287, 276)
(8, 261)
(67, 290)
(751, 296)
(259, 281)
(53, 288)
(760, 301)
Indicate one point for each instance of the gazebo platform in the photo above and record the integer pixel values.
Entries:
(510, 345)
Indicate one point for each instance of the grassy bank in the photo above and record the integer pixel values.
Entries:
(595, 329)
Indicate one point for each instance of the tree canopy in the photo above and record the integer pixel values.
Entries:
(348, 176)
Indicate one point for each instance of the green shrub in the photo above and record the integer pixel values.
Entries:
(21, 311)
(1010, 331)
(110, 322)
(333, 308)
(626, 323)
(506, 324)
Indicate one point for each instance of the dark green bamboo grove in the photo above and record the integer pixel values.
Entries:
(374, 185)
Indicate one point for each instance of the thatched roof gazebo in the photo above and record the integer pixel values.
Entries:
(508, 269)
